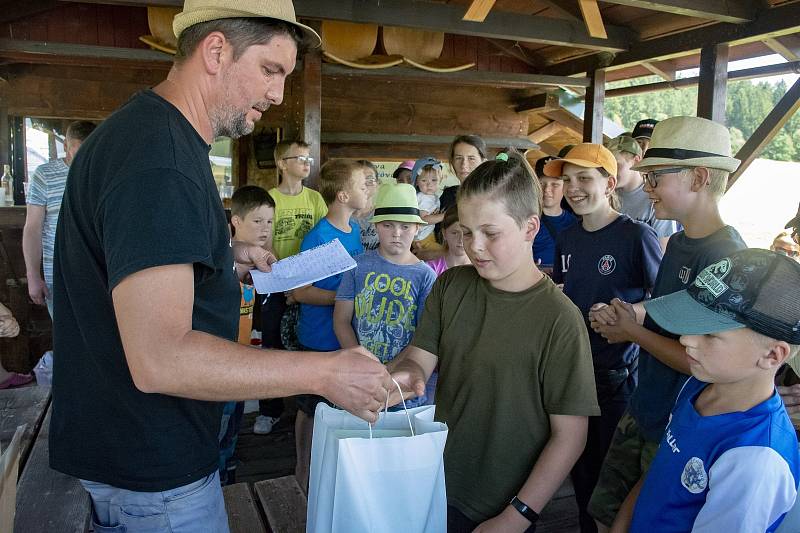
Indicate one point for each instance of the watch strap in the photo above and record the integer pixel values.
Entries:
(524, 510)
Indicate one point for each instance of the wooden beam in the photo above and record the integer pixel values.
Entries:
(713, 84)
(593, 115)
(517, 52)
(478, 10)
(789, 53)
(565, 8)
(445, 18)
(14, 9)
(393, 138)
(39, 52)
(538, 103)
(665, 70)
(5, 137)
(773, 22)
(312, 110)
(546, 131)
(592, 18)
(777, 119)
(745, 74)
(734, 11)
(466, 77)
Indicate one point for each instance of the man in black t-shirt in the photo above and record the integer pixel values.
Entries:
(146, 289)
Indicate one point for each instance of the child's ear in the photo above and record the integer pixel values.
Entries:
(532, 227)
(342, 196)
(236, 221)
(701, 178)
(612, 184)
(777, 354)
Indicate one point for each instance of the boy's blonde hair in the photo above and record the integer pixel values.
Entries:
(510, 181)
(336, 176)
(718, 182)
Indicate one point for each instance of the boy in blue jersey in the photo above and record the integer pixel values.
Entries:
(686, 172)
(555, 218)
(342, 183)
(607, 255)
(728, 461)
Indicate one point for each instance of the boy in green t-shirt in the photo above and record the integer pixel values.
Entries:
(297, 210)
(516, 384)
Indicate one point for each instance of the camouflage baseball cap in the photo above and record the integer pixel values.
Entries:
(624, 143)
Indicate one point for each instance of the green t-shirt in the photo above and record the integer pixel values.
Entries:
(506, 361)
(294, 217)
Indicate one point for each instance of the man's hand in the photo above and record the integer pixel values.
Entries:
(791, 398)
(359, 383)
(508, 521)
(37, 290)
(248, 257)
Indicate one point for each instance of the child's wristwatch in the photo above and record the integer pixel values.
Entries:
(524, 510)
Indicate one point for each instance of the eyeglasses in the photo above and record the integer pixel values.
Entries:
(651, 176)
(369, 182)
(301, 159)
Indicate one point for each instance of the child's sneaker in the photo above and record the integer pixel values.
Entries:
(264, 424)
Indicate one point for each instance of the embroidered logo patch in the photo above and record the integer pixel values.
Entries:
(606, 265)
(711, 278)
(694, 477)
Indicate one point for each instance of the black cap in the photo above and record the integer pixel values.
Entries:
(644, 128)
(540, 163)
(794, 223)
(751, 288)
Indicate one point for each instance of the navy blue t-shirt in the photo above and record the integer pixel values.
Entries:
(621, 261)
(544, 245)
(659, 384)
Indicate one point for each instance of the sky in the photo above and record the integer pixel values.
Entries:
(762, 61)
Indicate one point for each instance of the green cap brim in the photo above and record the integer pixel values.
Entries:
(681, 314)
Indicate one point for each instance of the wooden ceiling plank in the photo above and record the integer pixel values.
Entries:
(478, 10)
(665, 70)
(546, 131)
(593, 19)
(779, 47)
(733, 11)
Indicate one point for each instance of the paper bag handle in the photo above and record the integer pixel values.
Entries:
(386, 410)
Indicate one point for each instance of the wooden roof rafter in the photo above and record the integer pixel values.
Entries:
(734, 11)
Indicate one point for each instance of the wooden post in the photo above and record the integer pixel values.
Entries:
(312, 110)
(593, 114)
(713, 85)
(18, 156)
(777, 119)
(5, 138)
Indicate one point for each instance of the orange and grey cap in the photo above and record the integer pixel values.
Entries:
(586, 155)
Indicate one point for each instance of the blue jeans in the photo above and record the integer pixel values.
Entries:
(193, 508)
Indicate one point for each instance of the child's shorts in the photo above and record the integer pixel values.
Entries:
(627, 460)
(428, 243)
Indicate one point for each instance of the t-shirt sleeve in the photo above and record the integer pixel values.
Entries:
(37, 189)
(651, 257)
(138, 233)
(347, 287)
(429, 325)
(756, 477)
(567, 372)
(664, 228)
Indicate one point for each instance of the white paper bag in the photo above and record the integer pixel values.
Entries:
(392, 482)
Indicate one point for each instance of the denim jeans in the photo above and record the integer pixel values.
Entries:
(193, 508)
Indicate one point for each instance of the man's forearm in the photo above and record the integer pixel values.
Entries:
(668, 351)
(205, 367)
(32, 251)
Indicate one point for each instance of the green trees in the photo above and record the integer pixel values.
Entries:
(748, 104)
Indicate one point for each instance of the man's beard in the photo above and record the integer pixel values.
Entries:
(230, 122)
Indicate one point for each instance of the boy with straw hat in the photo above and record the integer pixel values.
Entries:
(685, 171)
(146, 285)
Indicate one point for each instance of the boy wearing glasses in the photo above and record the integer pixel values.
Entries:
(297, 210)
(685, 171)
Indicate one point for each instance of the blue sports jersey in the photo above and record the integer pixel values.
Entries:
(544, 245)
(658, 383)
(729, 473)
(618, 261)
(315, 325)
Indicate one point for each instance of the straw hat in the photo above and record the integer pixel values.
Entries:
(197, 11)
(690, 142)
(397, 202)
(586, 155)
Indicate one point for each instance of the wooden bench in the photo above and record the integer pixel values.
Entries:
(277, 505)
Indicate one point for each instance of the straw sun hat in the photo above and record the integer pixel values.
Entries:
(398, 203)
(689, 142)
(197, 11)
